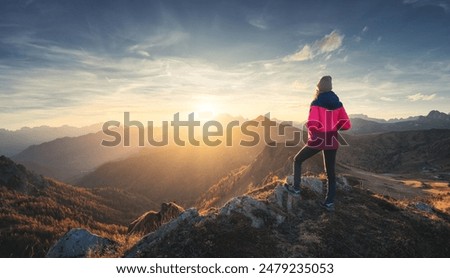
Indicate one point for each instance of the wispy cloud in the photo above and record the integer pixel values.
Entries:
(387, 99)
(327, 44)
(420, 96)
(258, 22)
(306, 53)
(358, 38)
(163, 40)
(444, 4)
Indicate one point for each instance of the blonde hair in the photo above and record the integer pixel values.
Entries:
(317, 93)
(323, 86)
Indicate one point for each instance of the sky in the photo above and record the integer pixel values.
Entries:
(83, 62)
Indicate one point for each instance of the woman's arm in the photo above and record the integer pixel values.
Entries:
(344, 121)
(314, 118)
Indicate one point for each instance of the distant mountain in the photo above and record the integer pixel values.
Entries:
(365, 125)
(172, 173)
(69, 158)
(414, 151)
(36, 211)
(182, 174)
(394, 120)
(13, 142)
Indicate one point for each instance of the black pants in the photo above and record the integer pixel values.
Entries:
(329, 159)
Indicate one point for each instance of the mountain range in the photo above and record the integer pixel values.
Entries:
(176, 173)
(394, 181)
(362, 124)
(69, 158)
(73, 156)
(14, 141)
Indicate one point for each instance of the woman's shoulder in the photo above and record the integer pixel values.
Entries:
(328, 100)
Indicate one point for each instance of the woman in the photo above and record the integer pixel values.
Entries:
(326, 116)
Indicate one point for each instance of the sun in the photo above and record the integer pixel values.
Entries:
(206, 111)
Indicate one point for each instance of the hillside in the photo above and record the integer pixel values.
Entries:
(272, 161)
(35, 211)
(172, 173)
(268, 222)
(420, 152)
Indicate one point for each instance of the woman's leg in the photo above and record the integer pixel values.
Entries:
(305, 153)
(329, 157)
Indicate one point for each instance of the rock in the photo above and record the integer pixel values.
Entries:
(258, 212)
(150, 221)
(78, 243)
(314, 184)
(423, 207)
(283, 199)
(188, 217)
(342, 184)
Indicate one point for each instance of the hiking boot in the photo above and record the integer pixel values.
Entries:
(292, 189)
(327, 206)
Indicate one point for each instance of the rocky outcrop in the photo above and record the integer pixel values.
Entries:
(187, 218)
(264, 208)
(80, 243)
(244, 222)
(259, 213)
(270, 222)
(151, 220)
(17, 177)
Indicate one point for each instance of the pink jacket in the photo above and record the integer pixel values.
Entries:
(327, 115)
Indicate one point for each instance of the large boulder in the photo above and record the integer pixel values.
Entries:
(80, 243)
(258, 212)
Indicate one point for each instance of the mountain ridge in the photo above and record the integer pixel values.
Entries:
(36, 211)
(362, 124)
(14, 141)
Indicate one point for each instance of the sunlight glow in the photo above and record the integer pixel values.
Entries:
(206, 111)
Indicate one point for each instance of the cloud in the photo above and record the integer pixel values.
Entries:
(304, 54)
(423, 3)
(330, 42)
(359, 38)
(420, 96)
(259, 23)
(161, 41)
(386, 99)
(327, 44)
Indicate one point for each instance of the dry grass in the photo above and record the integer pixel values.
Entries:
(31, 223)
